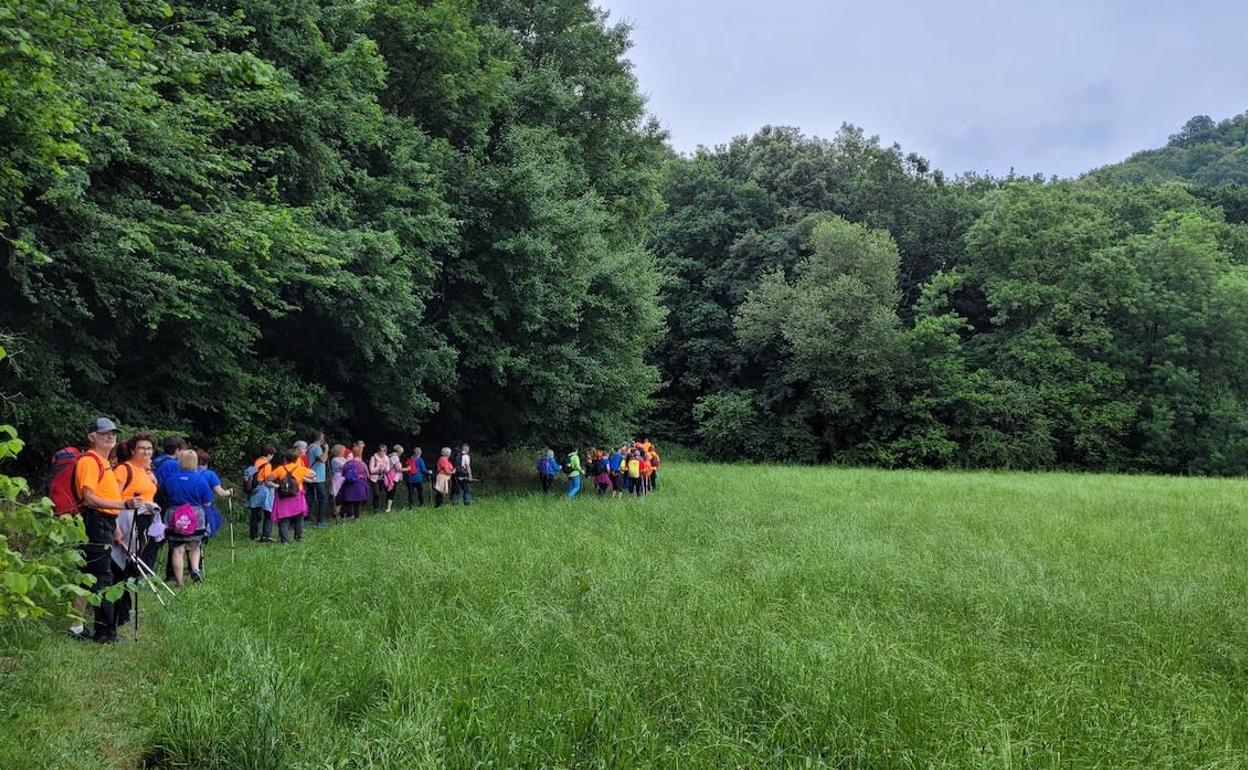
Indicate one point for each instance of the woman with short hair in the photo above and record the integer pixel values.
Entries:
(378, 469)
(135, 480)
(188, 492)
(337, 461)
(291, 501)
(354, 490)
(394, 474)
(442, 479)
(416, 472)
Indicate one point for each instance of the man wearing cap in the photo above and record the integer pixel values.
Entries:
(101, 498)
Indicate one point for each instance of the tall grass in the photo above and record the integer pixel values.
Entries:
(740, 617)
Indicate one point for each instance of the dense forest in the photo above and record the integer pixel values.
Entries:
(245, 218)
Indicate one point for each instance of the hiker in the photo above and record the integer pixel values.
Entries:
(95, 486)
(318, 499)
(189, 494)
(291, 502)
(573, 469)
(634, 473)
(601, 472)
(135, 477)
(463, 477)
(547, 467)
(354, 489)
(442, 479)
(378, 467)
(260, 501)
(166, 463)
(416, 472)
(394, 474)
(212, 515)
(615, 462)
(337, 461)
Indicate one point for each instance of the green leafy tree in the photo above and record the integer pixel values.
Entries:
(39, 565)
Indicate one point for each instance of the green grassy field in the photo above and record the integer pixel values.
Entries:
(738, 618)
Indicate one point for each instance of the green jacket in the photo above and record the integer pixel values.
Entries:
(574, 464)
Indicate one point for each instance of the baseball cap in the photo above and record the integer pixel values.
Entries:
(102, 425)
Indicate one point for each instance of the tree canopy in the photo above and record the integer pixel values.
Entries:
(241, 219)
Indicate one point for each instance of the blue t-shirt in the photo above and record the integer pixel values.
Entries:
(214, 480)
(316, 458)
(614, 461)
(162, 466)
(190, 487)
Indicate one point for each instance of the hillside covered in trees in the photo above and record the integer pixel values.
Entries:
(248, 218)
(1203, 152)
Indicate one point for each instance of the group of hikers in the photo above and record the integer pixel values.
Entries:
(630, 469)
(315, 481)
(133, 501)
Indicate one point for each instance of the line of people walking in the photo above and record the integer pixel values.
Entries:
(317, 483)
(133, 501)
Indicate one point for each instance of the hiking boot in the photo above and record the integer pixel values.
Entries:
(197, 576)
(114, 639)
(82, 636)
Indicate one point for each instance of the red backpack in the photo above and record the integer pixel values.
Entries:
(61, 487)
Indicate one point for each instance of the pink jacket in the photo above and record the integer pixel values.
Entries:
(377, 465)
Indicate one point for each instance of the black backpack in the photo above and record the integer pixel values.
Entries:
(251, 480)
(287, 486)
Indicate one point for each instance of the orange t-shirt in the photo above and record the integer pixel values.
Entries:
(134, 479)
(87, 475)
(263, 469)
(297, 469)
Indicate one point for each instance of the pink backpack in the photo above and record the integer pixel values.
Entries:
(184, 520)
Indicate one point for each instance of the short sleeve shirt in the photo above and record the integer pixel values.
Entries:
(316, 457)
(136, 480)
(300, 471)
(88, 475)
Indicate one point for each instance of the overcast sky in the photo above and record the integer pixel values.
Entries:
(1056, 86)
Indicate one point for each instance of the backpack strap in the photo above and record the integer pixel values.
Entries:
(129, 477)
(78, 492)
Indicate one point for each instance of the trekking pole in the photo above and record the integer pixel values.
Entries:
(149, 580)
(150, 575)
(231, 504)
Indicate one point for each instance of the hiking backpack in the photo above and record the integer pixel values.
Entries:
(60, 483)
(287, 486)
(251, 480)
(184, 520)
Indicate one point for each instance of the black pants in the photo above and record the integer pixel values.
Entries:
(283, 528)
(259, 515)
(317, 500)
(351, 510)
(122, 607)
(99, 565)
(463, 490)
(417, 489)
(379, 492)
(149, 549)
(546, 482)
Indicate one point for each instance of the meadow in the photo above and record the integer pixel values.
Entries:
(742, 616)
